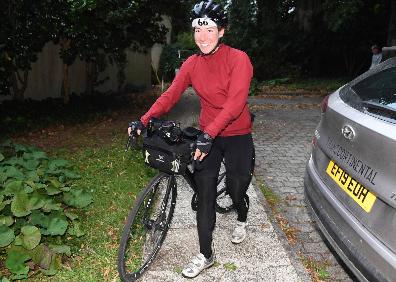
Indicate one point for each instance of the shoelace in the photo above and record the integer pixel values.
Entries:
(196, 262)
(239, 229)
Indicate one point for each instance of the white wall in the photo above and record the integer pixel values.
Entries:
(45, 77)
(156, 50)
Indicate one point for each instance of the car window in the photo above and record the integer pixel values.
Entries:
(375, 94)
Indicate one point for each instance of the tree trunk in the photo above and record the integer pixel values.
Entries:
(19, 84)
(305, 11)
(65, 84)
(90, 69)
(65, 91)
(392, 25)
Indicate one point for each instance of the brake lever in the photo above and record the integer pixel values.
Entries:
(130, 142)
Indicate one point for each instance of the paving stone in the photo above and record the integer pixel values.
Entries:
(283, 144)
(318, 247)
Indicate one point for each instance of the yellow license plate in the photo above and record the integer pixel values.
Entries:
(360, 194)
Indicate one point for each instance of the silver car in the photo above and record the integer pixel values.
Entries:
(350, 181)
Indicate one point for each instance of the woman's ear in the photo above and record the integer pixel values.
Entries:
(221, 32)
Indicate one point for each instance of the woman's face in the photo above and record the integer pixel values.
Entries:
(207, 38)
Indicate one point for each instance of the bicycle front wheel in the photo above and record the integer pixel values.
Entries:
(146, 227)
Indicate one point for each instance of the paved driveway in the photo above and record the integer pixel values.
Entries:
(283, 131)
(263, 256)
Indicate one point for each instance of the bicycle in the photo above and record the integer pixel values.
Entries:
(149, 220)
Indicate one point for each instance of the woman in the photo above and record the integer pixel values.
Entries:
(220, 75)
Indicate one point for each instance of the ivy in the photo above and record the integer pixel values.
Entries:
(38, 201)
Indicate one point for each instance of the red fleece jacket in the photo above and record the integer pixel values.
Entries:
(222, 82)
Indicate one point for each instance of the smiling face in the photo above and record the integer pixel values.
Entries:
(207, 38)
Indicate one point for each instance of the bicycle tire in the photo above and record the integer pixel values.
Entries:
(147, 223)
(224, 202)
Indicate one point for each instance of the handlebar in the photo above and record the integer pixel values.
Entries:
(170, 131)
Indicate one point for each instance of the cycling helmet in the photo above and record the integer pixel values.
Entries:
(208, 13)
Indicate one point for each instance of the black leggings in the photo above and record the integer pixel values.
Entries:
(238, 153)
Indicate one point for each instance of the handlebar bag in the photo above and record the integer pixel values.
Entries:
(166, 157)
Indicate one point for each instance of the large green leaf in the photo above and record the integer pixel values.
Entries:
(71, 174)
(20, 148)
(13, 187)
(55, 265)
(53, 224)
(13, 172)
(13, 161)
(20, 205)
(33, 176)
(61, 249)
(52, 190)
(31, 237)
(1, 157)
(42, 256)
(77, 198)
(35, 155)
(18, 240)
(38, 218)
(71, 215)
(30, 164)
(57, 224)
(50, 205)
(55, 164)
(31, 183)
(55, 182)
(36, 201)
(15, 262)
(66, 188)
(6, 220)
(6, 235)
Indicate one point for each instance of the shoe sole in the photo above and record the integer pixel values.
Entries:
(238, 241)
(190, 277)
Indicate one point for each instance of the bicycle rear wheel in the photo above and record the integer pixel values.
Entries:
(146, 226)
(223, 200)
(224, 203)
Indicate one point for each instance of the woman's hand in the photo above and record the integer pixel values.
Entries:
(135, 127)
(204, 144)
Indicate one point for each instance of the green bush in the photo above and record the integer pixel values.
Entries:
(170, 60)
(39, 208)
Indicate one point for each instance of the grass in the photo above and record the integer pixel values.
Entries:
(114, 178)
(230, 266)
(302, 85)
(317, 269)
(326, 84)
(275, 202)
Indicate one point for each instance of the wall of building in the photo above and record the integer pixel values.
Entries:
(46, 74)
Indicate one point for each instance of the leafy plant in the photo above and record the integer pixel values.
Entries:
(38, 209)
(230, 266)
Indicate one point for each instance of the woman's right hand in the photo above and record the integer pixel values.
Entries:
(135, 127)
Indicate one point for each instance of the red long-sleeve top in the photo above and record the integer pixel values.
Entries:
(222, 82)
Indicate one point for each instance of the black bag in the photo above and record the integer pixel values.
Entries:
(169, 157)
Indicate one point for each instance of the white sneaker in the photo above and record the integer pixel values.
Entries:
(239, 233)
(197, 264)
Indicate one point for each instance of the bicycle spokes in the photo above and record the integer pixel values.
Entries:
(146, 227)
